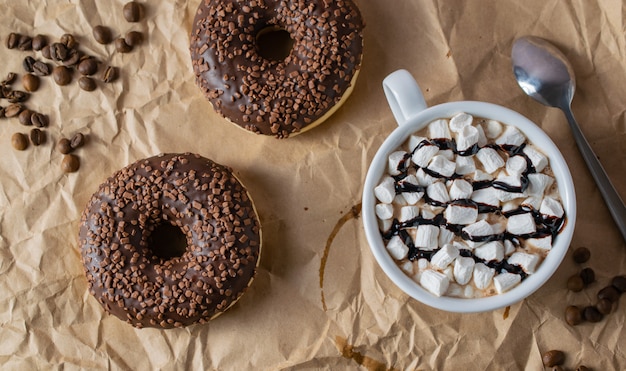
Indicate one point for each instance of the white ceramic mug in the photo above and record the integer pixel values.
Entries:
(412, 114)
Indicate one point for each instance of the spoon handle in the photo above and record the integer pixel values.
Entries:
(610, 195)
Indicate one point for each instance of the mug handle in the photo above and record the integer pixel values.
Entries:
(403, 96)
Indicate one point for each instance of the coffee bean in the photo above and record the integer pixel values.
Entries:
(77, 141)
(70, 163)
(13, 110)
(2, 113)
(553, 358)
(88, 66)
(19, 141)
(39, 41)
(30, 82)
(25, 43)
(62, 75)
(69, 41)
(10, 79)
(110, 74)
(575, 283)
(87, 83)
(591, 314)
(45, 52)
(58, 52)
(73, 57)
(5, 90)
(132, 11)
(64, 146)
(24, 117)
(17, 96)
(588, 276)
(41, 68)
(573, 315)
(121, 46)
(39, 119)
(581, 255)
(13, 40)
(37, 137)
(134, 38)
(610, 293)
(619, 282)
(102, 34)
(604, 306)
(28, 63)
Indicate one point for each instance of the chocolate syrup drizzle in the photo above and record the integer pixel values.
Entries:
(546, 225)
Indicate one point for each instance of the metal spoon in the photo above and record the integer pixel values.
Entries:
(544, 73)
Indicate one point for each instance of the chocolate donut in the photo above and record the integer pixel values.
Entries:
(269, 95)
(170, 241)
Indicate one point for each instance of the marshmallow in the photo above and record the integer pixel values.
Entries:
(511, 136)
(528, 262)
(442, 166)
(521, 224)
(448, 154)
(465, 165)
(413, 197)
(460, 121)
(505, 281)
(480, 175)
(414, 141)
(423, 178)
(532, 201)
(407, 267)
(551, 207)
(463, 268)
(462, 246)
(498, 228)
(396, 162)
(409, 213)
(469, 292)
(504, 196)
(455, 290)
(449, 273)
(466, 138)
(490, 159)
(428, 213)
(427, 237)
(385, 224)
(386, 190)
(480, 228)
(446, 255)
(438, 129)
(493, 250)
(493, 129)
(487, 196)
(538, 159)
(399, 200)
(396, 248)
(461, 189)
(509, 247)
(482, 138)
(508, 205)
(422, 156)
(422, 264)
(461, 214)
(411, 181)
(438, 192)
(483, 275)
(513, 181)
(445, 235)
(384, 211)
(544, 243)
(538, 183)
(435, 282)
(516, 165)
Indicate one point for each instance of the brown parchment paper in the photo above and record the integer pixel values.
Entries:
(307, 190)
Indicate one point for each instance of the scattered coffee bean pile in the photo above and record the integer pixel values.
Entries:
(66, 58)
(607, 297)
(555, 359)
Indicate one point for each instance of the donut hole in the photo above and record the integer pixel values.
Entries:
(274, 43)
(167, 241)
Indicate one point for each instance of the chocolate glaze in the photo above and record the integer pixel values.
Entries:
(212, 209)
(275, 97)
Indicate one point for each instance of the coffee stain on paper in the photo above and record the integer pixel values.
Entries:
(354, 213)
(347, 351)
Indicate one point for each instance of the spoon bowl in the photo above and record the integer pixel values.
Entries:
(543, 73)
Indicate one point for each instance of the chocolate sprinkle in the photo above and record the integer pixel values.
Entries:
(273, 97)
(213, 211)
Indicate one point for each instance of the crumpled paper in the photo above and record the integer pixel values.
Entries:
(319, 301)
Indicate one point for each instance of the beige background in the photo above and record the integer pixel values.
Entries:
(303, 187)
